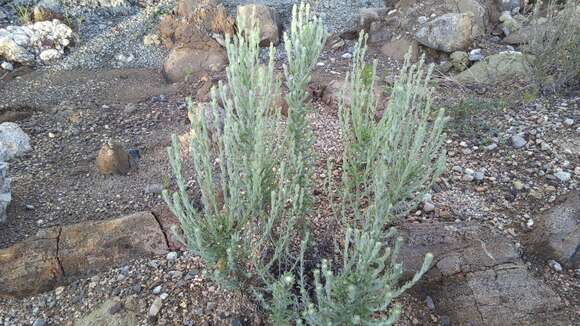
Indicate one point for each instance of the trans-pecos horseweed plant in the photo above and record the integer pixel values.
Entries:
(255, 188)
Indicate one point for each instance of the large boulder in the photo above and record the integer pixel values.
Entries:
(59, 255)
(477, 276)
(194, 35)
(267, 20)
(449, 32)
(496, 68)
(556, 234)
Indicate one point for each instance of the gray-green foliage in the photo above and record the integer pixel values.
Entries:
(303, 47)
(254, 185)
(553, 48)
(392, 161)
(386, 166)
(251, 200)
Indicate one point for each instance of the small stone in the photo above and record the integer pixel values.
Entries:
(113, 159)
(555, 265)
(469, 171)
(467, 178)
(491, 147)
(155, 188)
(7, 66)
(115, 308)
(164, 296)
(428, 207)
(569, 122)
(479, 176)
(347, 55)
(157, 289)
(155, 308)
(475, 55)
(430, 303)
(563, 176)
(518, 185)
(39, 322)
(172, 256)
(134, 154)
(518, 141)
(137, 288)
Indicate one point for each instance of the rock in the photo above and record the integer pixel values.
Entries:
(428, 207)
(557, 233)
(113, 159)
(194, 23)
(555, 265)
(475, 55)
(109, 313)
(449, 32)
(477, 276)
(90, 247)
(31, 266)
(155, 188)
(25, 44)
(172, 256)
(155, 308)
(563, 176)
(518, 141)
(39, 322)
(509, 5)
(49, 55)
(56, 256)
(491, 147)
(187, 62)
(151, 40)
(157, 290)
(479, 176)
(397, 49)
(459, 60)
(510, 24)
(48, 10)
(501, 67)
(5, 191)
(7, 66)
(366, 16)
(13, 141)
(266, 18)
(569, 122)
(483, 13)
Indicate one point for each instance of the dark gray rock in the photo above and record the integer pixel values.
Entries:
(477, 276)
(557, 233)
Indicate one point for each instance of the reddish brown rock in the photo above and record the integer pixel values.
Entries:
(30, 266)
(57, 256)
(94, 246)
(113, 159)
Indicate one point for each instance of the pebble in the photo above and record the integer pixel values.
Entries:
(7, 66)
(468, 178)
(475, 55)
(491, 147)
(164, 296)
(39, 322)
(155, 188)
(172, 256)
(155, 308)
(157, 289)
(428, 207)
(569, 122)
(430, 303)
(347, 55)
(555, 265)
(518, 141)
(479, 176)
(563, 176)
(115, 308)
(518, 185)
